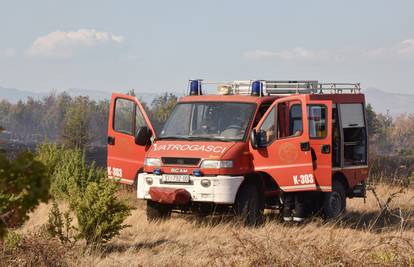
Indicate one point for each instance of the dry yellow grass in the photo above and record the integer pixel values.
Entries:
(359, 238)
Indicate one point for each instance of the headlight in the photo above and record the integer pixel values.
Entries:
(217, 164)
(152, 162)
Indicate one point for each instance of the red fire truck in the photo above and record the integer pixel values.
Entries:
(244, 148)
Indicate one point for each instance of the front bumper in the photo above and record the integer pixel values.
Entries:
(223, 189)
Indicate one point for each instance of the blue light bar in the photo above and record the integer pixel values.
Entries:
(257, 88)
(157, 171)
(195, 87)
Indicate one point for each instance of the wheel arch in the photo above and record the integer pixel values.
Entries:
(263, 182)
(339, 176)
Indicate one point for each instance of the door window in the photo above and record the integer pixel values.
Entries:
(124, 116)
(289, 119)
(317, 121)
(268, 128)
(127, 117)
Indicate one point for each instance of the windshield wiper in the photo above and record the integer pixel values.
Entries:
(174, 137)
(206, 138)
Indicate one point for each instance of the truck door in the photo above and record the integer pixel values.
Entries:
(125, 158)
(320, 134)
(283, 145)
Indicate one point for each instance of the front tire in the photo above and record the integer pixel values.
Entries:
(335, 202)
(157, 211)
(248, 206)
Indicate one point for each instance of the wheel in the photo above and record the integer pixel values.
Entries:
(157, 211)
(335, 202)
(248, 206)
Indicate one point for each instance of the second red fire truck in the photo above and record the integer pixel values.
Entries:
(244, 149)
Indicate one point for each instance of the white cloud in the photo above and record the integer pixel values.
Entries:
(7, 52)
(400, 51)
(67, 44)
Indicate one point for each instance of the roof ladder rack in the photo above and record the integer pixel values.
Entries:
(291, 87)
(276, 87)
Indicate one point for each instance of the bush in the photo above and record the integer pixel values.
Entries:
(392, 169)
(60, 225)
(12, 240)
(24, 183)
(91, 196)
(100, 214)
(67, 168)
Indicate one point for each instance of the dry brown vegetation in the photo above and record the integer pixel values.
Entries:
(367, 235)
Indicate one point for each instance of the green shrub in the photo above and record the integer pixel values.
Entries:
(12, 240)
(67, 168)
(100, 214)
(91, 196)
(60, 225)
(24, 183)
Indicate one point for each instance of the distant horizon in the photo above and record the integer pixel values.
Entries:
(382, 101)
(31, 90)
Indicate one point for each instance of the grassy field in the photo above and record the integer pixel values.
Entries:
(367, 235)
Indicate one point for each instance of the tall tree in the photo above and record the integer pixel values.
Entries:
(75, 132)
(372, 120)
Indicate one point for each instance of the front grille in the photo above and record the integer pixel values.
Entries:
(180, 161)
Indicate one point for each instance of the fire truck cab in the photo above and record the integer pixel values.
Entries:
(242, 149)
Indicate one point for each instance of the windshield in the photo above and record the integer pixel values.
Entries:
(221, 121)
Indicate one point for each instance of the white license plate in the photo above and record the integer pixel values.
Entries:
(175, 178)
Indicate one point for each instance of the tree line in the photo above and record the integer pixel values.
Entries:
(77, 122)
(390, 136)
(80, 122)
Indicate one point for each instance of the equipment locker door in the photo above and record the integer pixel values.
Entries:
(320, 134)
(285, 152)
(125, 157)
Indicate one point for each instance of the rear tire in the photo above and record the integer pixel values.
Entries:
(335, 202)
(157, 211)
(248, 206)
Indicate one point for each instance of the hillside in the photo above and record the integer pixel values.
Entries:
(395, 103)
(382, 101)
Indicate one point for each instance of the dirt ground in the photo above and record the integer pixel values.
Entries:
(366, 235)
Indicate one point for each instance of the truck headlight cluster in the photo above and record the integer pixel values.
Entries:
(154, 162)
(217, 164)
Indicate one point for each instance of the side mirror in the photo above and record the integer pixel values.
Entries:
(253, 138)
(258, 139)
(261, 137)
(143, 136)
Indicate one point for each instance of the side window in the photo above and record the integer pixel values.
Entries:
(295, 117)
(289, 119)
(268, 127)
(124, 116)
(352, 115)
(354, 134)
(317, 121)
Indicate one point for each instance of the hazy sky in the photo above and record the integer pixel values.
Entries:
(159, 45)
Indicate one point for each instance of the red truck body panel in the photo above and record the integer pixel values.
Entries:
(287, 160)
